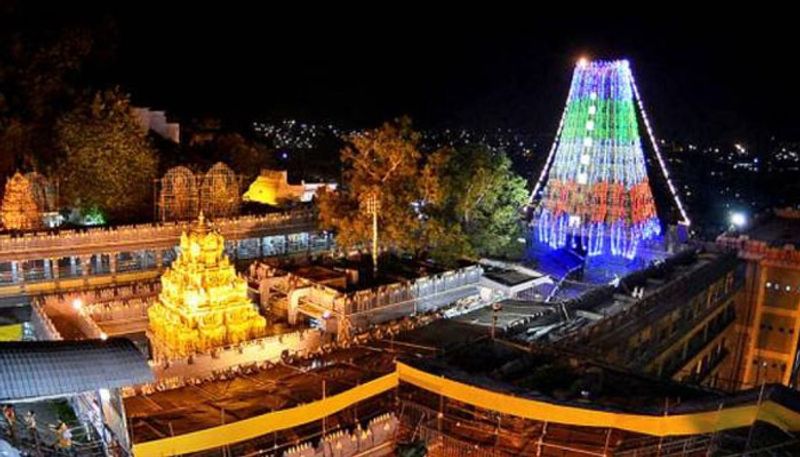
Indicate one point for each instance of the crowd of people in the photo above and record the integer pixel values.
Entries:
(26, 433)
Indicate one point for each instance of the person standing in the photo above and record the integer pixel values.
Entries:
(30, 424)
(11, 418)
(64, 434)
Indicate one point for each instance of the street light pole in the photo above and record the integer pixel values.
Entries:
(375, 241)
(496, 307)
(371, 205)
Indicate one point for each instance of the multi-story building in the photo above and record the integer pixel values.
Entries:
(673, 320)
(768, 306)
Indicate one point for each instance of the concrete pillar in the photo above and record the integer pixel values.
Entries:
(159, 258)
(112, 263)
(48, 271)
(98, 263)
(86, 264)
(15, 271)
(54, 268)
(73, 266)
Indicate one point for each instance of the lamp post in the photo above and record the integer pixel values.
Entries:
(496, 308)
(371, 205)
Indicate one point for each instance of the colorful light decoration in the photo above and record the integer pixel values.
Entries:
(597, 198)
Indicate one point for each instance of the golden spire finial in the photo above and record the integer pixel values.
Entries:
(201, 227)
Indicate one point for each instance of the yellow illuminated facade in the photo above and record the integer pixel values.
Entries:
(203, 302)
(272, 187)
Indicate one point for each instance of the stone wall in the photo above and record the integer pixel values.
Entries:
(350, 312)
(256, 352)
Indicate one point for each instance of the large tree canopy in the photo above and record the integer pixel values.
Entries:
(246, 157)
(449, 204)
(108, 161)
(383, 163)
(483, 195)
(42, 73)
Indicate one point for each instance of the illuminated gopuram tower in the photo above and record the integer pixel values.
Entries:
(595, 194)
(203, 302)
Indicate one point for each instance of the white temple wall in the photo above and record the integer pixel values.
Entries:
(258, 351)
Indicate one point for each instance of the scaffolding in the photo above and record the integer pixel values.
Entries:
(220, 192)
(180, 194)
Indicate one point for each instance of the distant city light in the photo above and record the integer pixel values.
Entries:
(583, 61)
(738, 219)
(77, 304)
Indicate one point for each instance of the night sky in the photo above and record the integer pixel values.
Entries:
(708, 79)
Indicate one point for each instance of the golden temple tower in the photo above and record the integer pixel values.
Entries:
(203, 302)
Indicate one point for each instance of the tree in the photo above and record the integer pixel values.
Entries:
(108, 161)
(482, 195)
(451, 204)
(40, 74)
(245, 157)
(384, 162)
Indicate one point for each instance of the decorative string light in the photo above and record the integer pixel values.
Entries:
(686, 221)
(597, 198)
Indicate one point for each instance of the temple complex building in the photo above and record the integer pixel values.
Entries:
(272, 187)
(19, 210)
(768, 306)
(203, 302)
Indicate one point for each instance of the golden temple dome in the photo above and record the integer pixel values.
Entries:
(203, 302)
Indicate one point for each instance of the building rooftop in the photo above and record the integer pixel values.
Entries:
(555, 376)
(319, 274)
(507, 277)
(36, 369)
(663, 286)
(205, 404)
(353, 274)
(776, 231)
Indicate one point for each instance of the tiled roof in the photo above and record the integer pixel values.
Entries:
(54, 368)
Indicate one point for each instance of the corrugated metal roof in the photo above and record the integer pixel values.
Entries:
(53, 368)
